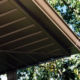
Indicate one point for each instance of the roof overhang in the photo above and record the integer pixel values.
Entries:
(30, 34)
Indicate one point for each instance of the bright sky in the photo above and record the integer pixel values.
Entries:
(3, 77)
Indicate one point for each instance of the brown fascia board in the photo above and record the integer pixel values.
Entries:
(58, 21)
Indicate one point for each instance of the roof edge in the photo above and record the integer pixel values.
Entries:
(58, 21)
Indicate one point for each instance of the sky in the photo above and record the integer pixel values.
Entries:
(3, 77)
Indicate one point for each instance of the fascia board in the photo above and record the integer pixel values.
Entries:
(58, 21)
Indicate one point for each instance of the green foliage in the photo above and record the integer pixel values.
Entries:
(61, 69)
(69, 10)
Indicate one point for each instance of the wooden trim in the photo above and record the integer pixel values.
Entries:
(58, 21)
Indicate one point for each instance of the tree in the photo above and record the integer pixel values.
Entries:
(61, 69)
(69, 10)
